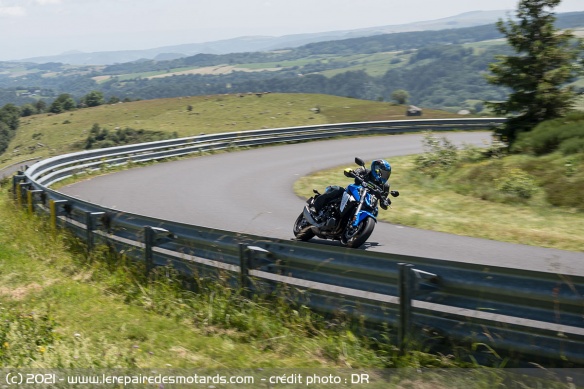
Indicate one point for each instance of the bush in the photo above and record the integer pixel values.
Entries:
(564, 134)
(440, 155)
(101, 137)
(476, 179)
(574, 146)
(516, 183)
(561, 191)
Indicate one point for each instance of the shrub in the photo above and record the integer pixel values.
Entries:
(516, 183)
(565, 134)
(101, 137)
(440, 155)
(476, 179)
(574, 146)
(472, 153)
(561, 191)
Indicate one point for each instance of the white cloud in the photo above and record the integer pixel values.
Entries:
(45, 2)
(13, 11)
(11, 8)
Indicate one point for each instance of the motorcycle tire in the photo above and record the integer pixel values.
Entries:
(354, 237)
(302, 230)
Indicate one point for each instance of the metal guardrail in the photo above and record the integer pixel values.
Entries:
(10, 170)
(54, 169)
(536, 316)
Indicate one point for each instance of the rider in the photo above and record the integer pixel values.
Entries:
(378, 175)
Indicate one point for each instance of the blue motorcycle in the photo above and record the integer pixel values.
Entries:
(349, 218)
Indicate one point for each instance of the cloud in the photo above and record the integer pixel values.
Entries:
(13, 11)
(11, 8)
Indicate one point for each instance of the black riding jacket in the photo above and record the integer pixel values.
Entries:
(365, 174)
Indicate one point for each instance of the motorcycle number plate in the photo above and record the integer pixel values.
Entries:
(345, 200)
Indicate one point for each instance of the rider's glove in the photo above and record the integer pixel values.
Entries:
(385, 203)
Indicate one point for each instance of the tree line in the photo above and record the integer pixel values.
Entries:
(9, 122)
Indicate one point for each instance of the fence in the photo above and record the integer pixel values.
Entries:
(526, 315)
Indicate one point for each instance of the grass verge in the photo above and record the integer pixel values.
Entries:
(62, 308)
(462, 201)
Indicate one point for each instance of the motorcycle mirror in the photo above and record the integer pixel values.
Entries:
(359, 161)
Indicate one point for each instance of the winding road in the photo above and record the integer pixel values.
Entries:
(251, 191)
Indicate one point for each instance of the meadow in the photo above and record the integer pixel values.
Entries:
(46, 135)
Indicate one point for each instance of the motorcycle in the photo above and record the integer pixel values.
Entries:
(349, 219)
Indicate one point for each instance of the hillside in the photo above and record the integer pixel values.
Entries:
(264, 43)
(439, 69)
(49, 134)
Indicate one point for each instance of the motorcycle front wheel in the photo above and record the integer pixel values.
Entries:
(354, 237)
(302, 230)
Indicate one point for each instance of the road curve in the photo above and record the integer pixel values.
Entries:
(251, 191)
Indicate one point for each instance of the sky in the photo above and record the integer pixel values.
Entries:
(32, 28)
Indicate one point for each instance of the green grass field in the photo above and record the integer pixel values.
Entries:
(49, 134)
(440, 204)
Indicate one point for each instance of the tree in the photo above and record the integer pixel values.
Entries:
(40, 106)
(63, 103)
(93, 99)
(9, 122)
(400, 96)
(10, 115)
(545, 61)
(28, 110)
(56, 107)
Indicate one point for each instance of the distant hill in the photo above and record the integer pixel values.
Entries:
(264, 43)
(442, 69)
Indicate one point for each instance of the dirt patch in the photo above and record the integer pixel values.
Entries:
(20, 292)
(101, 78)
(214, 70)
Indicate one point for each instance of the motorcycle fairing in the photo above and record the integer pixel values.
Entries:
(353, 191)
(362, 215)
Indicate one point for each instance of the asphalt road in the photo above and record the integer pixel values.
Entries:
(251, 191)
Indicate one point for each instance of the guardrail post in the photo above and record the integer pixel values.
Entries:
(30, 199)
(244, 261)
(16, 179)
(150, 236)
(148, 244)
(251, 257)
(91, 225)
(21, 188)
(406, 290)
(54, 212)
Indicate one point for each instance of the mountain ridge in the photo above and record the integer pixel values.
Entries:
(262, 43)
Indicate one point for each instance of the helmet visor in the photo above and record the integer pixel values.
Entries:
(383, 174)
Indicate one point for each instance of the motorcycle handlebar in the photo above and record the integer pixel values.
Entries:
(370, 186)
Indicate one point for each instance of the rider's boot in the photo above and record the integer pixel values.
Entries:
(315, 214)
